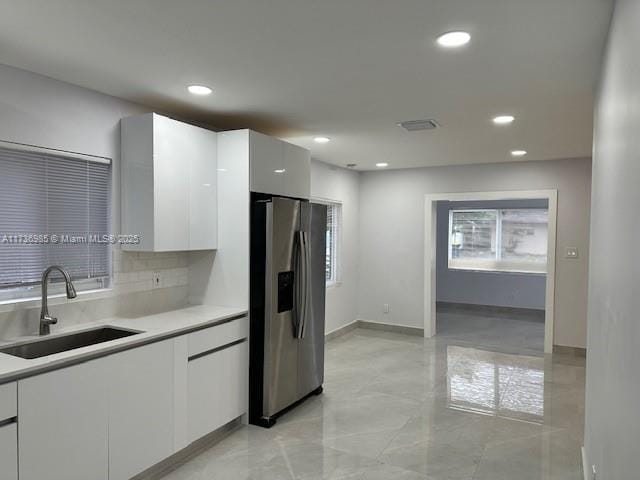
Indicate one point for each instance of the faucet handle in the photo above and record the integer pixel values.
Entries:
(48, 320)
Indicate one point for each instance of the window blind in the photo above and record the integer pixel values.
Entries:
(54, 209)
(333, 239)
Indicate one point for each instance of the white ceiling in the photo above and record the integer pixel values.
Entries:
(347, 69)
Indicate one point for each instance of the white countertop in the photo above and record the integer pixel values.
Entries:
(153, 328)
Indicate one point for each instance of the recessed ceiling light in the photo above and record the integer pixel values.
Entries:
(503, 119)
(382, 164)
(322, 139)
(454, 39)
(199, 90)
(518, 153)
(279, 170)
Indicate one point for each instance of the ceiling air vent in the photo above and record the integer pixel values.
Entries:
(417, 125)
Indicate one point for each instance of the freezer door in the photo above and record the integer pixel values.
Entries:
(280, 344)
(311, 349)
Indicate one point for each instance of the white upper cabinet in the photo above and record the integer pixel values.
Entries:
(168, 179)
(267, 173)
(277, 167)
(297, 170)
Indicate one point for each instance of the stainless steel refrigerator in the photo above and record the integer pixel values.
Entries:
(287, 304)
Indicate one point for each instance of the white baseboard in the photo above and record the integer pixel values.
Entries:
(338, 332)
(586, 470)
(391, 327)
(373, 325)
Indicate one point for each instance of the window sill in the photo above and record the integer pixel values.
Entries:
(57, 299)
(490, 270)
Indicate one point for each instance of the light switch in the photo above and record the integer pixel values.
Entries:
(572, 252)
(157, 280)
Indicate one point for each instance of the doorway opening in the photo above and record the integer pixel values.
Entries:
(490, 268)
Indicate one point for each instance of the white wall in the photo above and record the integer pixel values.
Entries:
(341, 185)
(612, 433)
(40, 111)
(500, 289)
(392, 230)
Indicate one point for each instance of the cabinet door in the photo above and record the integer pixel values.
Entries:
(62, 427)
(9, 452)
(171, 178)
(267, 170)
(8, 401)
(141, 414)
(136, 180)
(297, 171)
(217, 385)
(203, 201)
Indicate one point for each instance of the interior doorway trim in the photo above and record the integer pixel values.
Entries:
(430, 251)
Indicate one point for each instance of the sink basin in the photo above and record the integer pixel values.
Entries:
(42, 347)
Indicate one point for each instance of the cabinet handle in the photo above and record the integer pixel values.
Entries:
(8, 421)
(217, 349)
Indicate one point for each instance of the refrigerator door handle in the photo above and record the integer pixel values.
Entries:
(307, 283)
(300, 292)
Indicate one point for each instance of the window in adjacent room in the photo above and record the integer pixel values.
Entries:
(334, 226)
(54, 210)
(507, 240)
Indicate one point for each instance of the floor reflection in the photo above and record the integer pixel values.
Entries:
(404, 407)
(494, 383)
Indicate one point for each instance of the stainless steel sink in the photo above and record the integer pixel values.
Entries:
(48, 346)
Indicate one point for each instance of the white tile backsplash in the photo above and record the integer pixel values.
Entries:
(134, 271)
(132, 294)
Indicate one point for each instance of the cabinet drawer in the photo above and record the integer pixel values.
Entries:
(8, 401)
(217, 389)
(214, 337)
(9, 452)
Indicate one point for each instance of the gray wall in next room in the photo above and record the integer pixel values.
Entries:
(485, 288)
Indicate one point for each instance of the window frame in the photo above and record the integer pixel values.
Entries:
(29, 292)
(497, 265)
(336, 244)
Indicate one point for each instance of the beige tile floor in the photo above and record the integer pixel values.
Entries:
(402, 407)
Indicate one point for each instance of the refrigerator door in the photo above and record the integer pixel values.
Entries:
(280, 310)
(313, 219)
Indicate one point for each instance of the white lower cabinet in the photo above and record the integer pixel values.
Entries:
(114, 417)
(141, 408)
(8, 432)
(8, 401)
(217, 389)
(62, 424)
(9, 452)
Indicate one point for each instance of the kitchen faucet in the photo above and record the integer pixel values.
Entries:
(45, 319)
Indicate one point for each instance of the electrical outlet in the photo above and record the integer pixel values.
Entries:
(157, 279)
(385, 308)
(571, 252)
